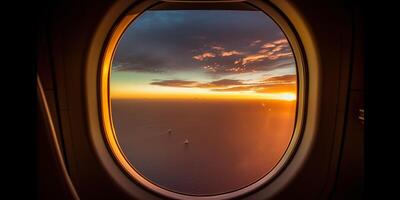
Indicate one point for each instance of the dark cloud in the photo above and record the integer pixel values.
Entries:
(217, 42)
(220, 83)
(282, 79)
(183, 83)
(234, 89)
(175, 83)
(286, 83)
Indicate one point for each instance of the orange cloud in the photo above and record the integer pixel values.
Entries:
(263, 51)
(254, 58)
(272, 51)
(265, 54)
(281, 79)
(230, 53)
(204, 55)
(237, 69)
(281, 41)
(268, 45)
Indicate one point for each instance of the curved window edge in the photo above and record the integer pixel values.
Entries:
(106, 122)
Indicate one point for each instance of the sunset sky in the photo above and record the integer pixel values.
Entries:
(218, 54)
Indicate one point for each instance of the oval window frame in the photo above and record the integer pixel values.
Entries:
(108, 131)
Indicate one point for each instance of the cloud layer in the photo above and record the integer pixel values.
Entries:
(215, 42)
(284, 83)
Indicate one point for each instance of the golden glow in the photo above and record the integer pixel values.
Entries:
(159, 92)
(287, 96)
(105, 100)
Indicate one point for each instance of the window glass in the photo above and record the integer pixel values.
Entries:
(203, 102)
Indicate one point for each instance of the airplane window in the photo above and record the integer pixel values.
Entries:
(203, 102)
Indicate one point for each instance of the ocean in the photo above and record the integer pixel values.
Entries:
(203, 147)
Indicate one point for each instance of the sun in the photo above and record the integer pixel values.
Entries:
(287, 96)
